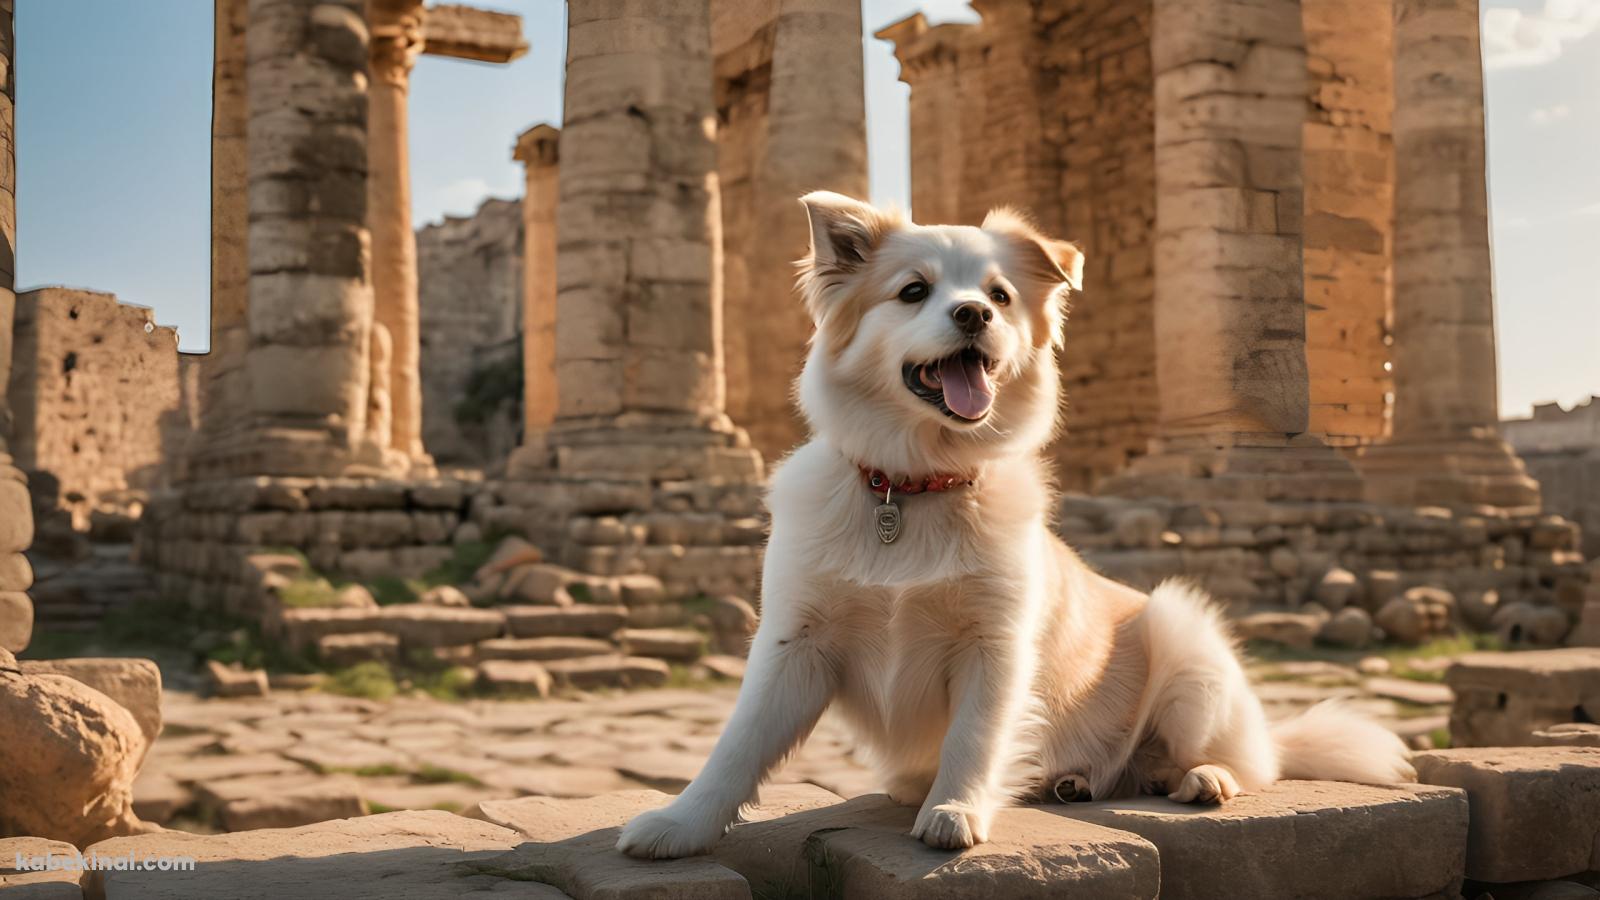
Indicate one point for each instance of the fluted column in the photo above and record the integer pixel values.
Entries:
(16, 512)
(396, 40)
(538, 149)
(1230, 318)
(1446, 447)
(310, 306)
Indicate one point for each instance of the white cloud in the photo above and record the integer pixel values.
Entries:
(1514, 39)
(460, 197)
(1544, 115)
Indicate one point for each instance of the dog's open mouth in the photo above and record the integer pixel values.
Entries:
(958, 384)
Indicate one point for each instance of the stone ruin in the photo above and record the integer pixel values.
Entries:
(1272, 466)
(1562, 450)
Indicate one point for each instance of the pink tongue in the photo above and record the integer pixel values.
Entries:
(966, 386)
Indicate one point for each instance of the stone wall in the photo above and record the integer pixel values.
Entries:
(470, 297)
(1249, 554)
(1562, 452)
(94, 389)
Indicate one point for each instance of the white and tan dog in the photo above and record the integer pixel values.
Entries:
(975, 655)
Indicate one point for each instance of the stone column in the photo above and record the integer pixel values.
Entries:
(930, 64)
(1230, 318)
(16, 512)
(396, 39)
(1446, 447)
(538, 149)
(310, 309)
(225, 391)
(639, 294)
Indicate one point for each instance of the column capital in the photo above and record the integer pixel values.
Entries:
(539, 146)
(395, 38)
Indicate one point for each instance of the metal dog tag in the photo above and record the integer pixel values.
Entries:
(888, 517)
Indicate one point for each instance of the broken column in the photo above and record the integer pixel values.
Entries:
(395, 28)
(16, 511)
(538, 149)
(639, 296)
(1445, 448)
(1230, 319)
(790, 103)
(310, 301)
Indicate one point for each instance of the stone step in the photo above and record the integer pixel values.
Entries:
(676, 644)
(505, 676)
(544, 649)
(1306, 839)
(340, 650)
(575, 621)
(416, 855)
(1535, 810)
(589, 672)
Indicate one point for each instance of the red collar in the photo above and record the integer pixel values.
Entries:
(879, 483)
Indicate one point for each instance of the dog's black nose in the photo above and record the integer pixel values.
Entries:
(972, 318)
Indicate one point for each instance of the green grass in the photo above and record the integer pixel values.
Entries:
(430, 774)
(1440, 738)
(371, 680)
(309, 591)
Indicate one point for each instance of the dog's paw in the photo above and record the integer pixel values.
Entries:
(667, 834)
(1071, 788)
(951, 826)
(1206, 784)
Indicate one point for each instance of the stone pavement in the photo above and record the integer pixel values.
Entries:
(294, 758)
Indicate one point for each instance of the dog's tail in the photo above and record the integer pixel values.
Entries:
(1331, 742)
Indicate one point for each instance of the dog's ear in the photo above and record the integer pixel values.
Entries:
(1050, 259)
(1049, 263)
(844, 232)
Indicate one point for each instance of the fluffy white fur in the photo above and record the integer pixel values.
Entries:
(977, 658)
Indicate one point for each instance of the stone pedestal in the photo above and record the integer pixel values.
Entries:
(1446, 448)
(1230, 319)
(396, 39)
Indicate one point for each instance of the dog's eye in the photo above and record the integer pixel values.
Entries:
(915, 292)
(999, 296)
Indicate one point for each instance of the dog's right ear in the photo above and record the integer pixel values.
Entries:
(843, 231)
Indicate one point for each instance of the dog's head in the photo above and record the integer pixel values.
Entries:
(935, 345)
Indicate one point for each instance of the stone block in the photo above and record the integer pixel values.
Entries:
(503, 676)
(415, 854)
(439, 626)
(135, 684)
(575, 621)
(1301, 839)
(301, 629)
(543, 649)
(234, 681)
(1502, 698)
(1288, 629)
(16, 621)
(340, 650)
(676, 644)
(590, 672)
(51, 872)
(1535, 810)
(862, 848)
(571, 844)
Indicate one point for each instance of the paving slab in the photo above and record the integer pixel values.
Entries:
(30, 883)
(415, 855)
(572, 845)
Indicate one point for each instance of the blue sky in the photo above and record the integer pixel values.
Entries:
(113, 139)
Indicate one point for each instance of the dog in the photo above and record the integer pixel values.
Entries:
(912, 582)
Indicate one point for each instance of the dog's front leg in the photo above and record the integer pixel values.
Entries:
(791, 676)
(990, 683)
